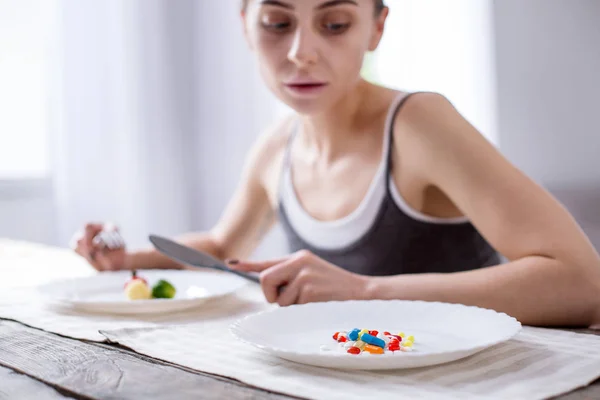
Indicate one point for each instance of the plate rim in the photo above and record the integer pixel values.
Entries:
(41, 290)
(235, 328)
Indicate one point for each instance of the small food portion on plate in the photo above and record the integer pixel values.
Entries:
(163, 290)
(363, 341)
(137, 288)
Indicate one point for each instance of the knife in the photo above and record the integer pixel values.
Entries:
(193, 257)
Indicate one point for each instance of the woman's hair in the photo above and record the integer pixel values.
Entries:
(379, 6)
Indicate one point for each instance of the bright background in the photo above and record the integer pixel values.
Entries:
(141, 111)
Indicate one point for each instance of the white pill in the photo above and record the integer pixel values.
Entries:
(383, 337)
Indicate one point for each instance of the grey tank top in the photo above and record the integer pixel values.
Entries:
(384, 236)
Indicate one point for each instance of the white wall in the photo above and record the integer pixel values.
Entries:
(26, 211)
(548, 66)
(181, 68)
(28, 219)
(234, 107)
(443, 46)
(548, 58)
(548, 55)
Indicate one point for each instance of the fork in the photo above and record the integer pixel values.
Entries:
(109, 239)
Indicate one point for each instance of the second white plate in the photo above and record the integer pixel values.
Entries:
(104, 293)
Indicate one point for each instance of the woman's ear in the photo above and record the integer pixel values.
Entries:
(378, 29)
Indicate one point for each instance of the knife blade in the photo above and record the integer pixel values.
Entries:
(189, 256)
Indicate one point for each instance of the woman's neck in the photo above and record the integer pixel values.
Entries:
(328, 133)
(334, 132)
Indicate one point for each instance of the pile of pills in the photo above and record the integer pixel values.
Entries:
(359, 341)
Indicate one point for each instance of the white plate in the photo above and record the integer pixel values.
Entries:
(104, 293)
(443, 332)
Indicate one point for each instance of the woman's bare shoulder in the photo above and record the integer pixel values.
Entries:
(427, 119)
(274, 139)
(266, 155)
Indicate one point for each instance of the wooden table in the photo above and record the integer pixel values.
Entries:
(39, 365)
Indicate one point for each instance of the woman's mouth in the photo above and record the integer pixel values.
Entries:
(305, 88)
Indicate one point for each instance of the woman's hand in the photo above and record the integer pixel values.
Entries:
(101, 255)
(304, 278)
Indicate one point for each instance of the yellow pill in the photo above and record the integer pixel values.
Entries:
(411, 338)
(408, 343)
(360, 344)
(401, 334)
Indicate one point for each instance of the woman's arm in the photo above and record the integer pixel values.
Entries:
(246, 219)
(553, 277)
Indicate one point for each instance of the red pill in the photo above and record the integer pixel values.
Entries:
(387, 333)
(374, 333)
(335, 336)
(342, 339)
(398, 337)
(354, 350)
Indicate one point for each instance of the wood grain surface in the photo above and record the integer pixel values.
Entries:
(14, 385)
(40, 365)
(85, 370)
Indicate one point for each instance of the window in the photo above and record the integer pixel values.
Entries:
(441, 46)
(26, 28)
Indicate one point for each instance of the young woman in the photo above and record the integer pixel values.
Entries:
(382, 194)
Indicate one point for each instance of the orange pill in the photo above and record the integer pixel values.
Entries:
(373, 349)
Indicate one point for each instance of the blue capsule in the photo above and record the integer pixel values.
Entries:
(373, 340)
(353, 335)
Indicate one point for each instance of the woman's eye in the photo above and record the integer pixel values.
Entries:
(276, 24)
(335, 22)
(336, 28)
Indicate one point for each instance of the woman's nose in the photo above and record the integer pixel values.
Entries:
(304, 52)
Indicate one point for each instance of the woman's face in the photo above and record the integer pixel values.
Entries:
(311, 52)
